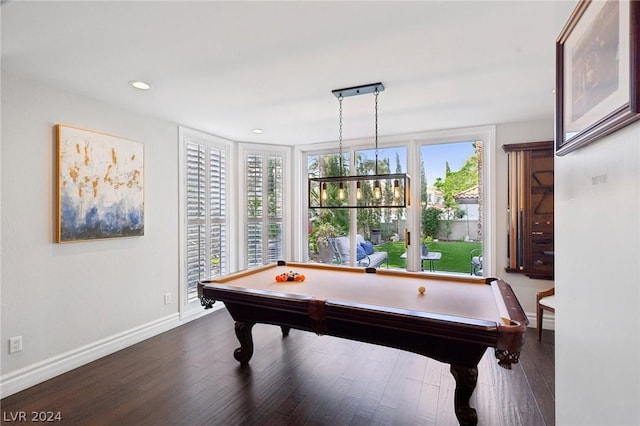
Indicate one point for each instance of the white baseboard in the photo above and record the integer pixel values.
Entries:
(31, 375)
(193, 314)
(548, 320)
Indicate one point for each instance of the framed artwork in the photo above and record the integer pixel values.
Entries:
(597, 72)
(100, 185)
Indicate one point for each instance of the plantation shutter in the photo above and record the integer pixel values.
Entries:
(206, 214)
(264, 208)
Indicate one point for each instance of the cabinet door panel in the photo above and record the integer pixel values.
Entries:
(531, 208)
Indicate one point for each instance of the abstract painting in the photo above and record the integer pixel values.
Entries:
(100, 185)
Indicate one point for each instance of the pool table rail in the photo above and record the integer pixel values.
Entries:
(414, 331)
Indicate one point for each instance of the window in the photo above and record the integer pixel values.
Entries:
(265, 204)
(205, 209)
(374, 224)
(458, 209)
(325, 224)
(451, 199)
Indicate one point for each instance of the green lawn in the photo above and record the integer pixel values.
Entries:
(456, 255)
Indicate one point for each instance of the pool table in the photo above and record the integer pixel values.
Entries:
(454, 321)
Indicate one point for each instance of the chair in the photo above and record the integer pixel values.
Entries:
(476, 261)
(341, 247)
(545, 301)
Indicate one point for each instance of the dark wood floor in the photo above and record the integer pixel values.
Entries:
(188, 376)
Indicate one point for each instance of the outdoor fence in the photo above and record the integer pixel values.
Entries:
(458, 230)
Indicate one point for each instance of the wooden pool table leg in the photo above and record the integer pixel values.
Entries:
(243, 332)
(285, 330)
(466, 379)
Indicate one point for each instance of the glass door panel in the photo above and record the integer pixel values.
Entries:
(451, 207)
(383, 227)
(324, 226)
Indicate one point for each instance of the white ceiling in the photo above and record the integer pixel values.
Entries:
(228, 67)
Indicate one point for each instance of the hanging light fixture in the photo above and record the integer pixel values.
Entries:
(359, 191)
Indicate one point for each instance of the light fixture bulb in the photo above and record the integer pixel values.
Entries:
(323, 191)
(377, 192)
(396, 189)
(359, 190)
(341, 191)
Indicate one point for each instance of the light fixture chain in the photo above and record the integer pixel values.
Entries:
(319, 196)
(375, 94)
(340, 133)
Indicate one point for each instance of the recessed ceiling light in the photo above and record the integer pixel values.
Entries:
(257, 131)
(141, 85)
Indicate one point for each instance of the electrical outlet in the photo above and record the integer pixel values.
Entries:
(167, 298)
(15, 344)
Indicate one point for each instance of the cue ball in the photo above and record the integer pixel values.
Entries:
(421, 290)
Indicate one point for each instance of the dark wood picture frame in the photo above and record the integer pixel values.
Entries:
(597, 72)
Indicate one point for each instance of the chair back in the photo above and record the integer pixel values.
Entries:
(476, 261)
(341, 247)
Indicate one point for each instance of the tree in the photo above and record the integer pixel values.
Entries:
(329, 165)
(430, 221)
(370, 218)
(456, 182)
(423, 185)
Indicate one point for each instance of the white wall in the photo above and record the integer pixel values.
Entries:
(598, 282)
(74, 302)
(597, 245)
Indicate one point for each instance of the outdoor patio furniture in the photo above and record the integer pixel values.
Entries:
(427, 255)
(476, 261)
(366, 256)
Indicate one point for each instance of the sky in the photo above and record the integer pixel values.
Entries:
(435, 157)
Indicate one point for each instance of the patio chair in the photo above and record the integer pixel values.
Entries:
(476, 261)
(341, 247)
